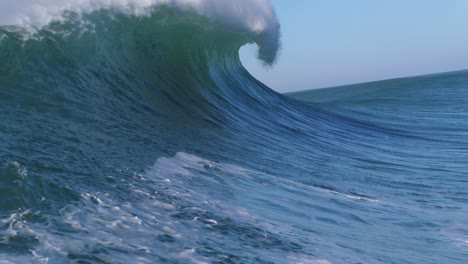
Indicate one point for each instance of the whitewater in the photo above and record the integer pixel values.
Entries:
(131, 133)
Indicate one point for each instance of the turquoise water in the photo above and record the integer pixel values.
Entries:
(143, 140)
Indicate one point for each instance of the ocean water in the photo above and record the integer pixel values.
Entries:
(135, 135)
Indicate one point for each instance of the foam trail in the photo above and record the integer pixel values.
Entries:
(254, 16)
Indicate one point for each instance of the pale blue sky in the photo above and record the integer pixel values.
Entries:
(334, 42)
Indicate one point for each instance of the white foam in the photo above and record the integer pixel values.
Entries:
(307, 260)
(2, 37)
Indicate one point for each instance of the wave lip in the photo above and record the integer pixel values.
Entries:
(256, 17)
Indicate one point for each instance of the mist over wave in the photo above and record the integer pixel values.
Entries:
(131, 132)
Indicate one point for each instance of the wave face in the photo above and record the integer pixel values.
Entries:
(129, 138)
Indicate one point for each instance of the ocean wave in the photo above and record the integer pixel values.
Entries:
(129, 137)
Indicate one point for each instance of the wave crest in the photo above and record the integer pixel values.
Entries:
(256, 17)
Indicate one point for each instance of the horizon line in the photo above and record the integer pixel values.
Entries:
(377, 81)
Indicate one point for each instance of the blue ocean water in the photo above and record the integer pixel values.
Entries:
(144, 140)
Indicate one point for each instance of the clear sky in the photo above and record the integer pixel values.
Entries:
(334, 42)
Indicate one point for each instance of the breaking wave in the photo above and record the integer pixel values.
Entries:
(131, 132)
